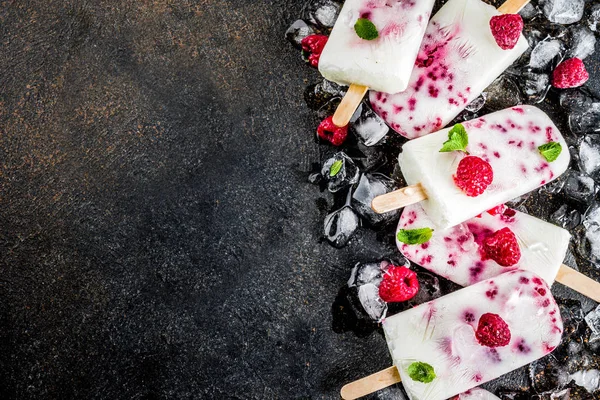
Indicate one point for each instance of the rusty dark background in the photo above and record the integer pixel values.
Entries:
(158, 236)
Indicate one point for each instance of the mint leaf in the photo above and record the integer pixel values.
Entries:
(421, 372)
(550, 151)
(457, 140)
(414, 236)
(335, 168)
(365, 29)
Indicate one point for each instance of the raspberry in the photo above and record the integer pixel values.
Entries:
(473, 175)
(492, 331)
(569, 74)
(497, 210)
(398, 284)
(507, 30)
(314, 44)
(327, 130)
(502, 247)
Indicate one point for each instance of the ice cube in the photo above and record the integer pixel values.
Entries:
(575, 100)
(563, 11)
(535, 86)
(566, 218)
(319, 94)
(369, 127)
(579, 187)
(369, 157)
(298, 31)
(373, 304)
(546, 375)
(546, 53)
(323, 12)
(340, 172)
(369, 187)
(584, 121)
(529, 11)
(476, 104)
(593, 320)
(593, 19)
(589, 155)
(502, 93)
(583, 42)
(589, 379)
(340, 226)
(591, 223)
(364, 273)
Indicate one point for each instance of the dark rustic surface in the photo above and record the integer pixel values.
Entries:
(158, 237)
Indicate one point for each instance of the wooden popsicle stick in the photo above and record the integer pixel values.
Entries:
(512, 6)
(398, 199)
(579, 282)
(349, 104)
(370, 384)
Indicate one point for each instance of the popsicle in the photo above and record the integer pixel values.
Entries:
(459, 253)
(464, 339)
(476, 394)
(458, 59)
(373, 44)
(510, 152)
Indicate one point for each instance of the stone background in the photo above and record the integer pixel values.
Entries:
(158, 236)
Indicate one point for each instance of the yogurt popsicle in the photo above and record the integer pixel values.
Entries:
(458, 59)
(476, 394)
(469, 337)
(459, 254)
(383, 62)
(510, 153)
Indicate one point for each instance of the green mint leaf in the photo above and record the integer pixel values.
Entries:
(335, 168)
(414, 236)
(550, 151)
(421, 372)
(457, 140)
(365, 29)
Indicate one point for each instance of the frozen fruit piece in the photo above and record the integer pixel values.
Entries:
(497, 210)
(327, 130)
(502, 247)
(398, 284)
(473, 175)
(375, 43)
(492, 331)
(314, 44)
(569, 74)
(507, 30)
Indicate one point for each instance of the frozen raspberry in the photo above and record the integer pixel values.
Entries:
(569, 74)
(502, 247)
(497, 210)
(327, 130)
(314, 44)
(492, 331)
(398, 284)
(473, 175)
(507, 30)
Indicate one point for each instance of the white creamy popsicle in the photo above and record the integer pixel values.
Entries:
(384, 63)
(458, 254)
(445, 334)
(476, 394)
(458, 59)
(508, 140)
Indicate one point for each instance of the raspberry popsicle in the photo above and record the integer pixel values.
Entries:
(499, 240)
(374, 44)
(459, 341)
(458, 59)
(472, 167)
